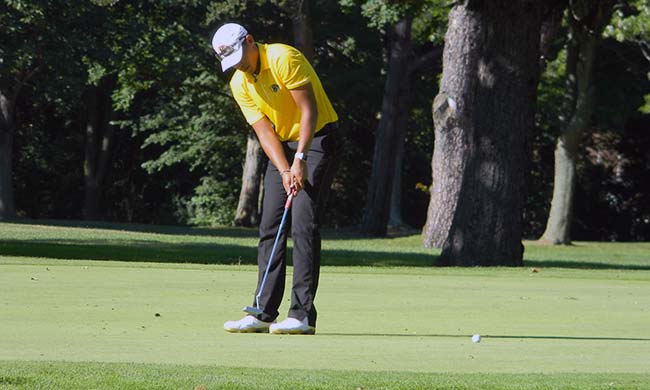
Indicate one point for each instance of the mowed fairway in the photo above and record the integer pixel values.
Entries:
(397, 323)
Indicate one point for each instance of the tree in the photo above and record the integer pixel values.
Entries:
(198, 126)
(8, 98)
(248, 207)
(126, 49)
(630, 23)
(383, 201)
(300, 14)
(20, 43)
(483, 118)
(99, 133)
(389, 137)
(36, 40)
(587, 19)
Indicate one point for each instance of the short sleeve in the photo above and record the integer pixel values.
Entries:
(293, 69)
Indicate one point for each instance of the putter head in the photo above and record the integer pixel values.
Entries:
(253, 310)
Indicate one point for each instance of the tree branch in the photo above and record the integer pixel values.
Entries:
(22, 81)
(645, 49)
(428, 58)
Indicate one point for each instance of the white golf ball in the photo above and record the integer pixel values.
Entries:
(476, 338)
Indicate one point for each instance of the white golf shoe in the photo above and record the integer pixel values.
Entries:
(248, 324)
(292, 326)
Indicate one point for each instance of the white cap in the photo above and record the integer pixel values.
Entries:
(227, 43)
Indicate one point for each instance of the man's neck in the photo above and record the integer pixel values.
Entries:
(257, 66)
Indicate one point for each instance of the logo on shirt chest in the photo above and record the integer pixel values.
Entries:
(275, 88)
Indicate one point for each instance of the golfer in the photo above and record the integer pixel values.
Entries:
(282, 98)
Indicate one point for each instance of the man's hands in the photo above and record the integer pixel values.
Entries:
(287, 180)
(293, 179)
(295, 175)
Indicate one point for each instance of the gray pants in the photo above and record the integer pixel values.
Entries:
(303, 220)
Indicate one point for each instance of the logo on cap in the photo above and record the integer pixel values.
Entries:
(225, 50)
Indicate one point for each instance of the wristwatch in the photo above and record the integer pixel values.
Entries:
(301, 156)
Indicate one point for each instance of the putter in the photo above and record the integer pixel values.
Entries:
(257, 310)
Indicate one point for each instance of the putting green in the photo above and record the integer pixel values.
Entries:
(401, 319)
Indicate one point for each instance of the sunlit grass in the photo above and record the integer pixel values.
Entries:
(135, 307)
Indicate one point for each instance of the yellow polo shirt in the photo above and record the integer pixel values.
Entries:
(282, 68)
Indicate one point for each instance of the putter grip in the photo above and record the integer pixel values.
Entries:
(289, 199)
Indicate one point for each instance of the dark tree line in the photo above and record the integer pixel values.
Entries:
(118, 111)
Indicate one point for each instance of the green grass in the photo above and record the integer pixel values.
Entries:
(79, 305)
(58, 375)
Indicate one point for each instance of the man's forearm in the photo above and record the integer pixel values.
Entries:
(307, 130)
(271, 145)
(306, 103)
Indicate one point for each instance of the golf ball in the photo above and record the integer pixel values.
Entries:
(476, 338)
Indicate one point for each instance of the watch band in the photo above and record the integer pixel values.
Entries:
(301, 156)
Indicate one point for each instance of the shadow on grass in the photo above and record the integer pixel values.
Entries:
(572, 264)
(142, 251)
(151, 250)
(350, 233)
(199, 253)
(205, 253)
(586, 338)
(232, 232)
(14, 380)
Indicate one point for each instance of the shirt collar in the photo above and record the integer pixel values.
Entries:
(264, 63)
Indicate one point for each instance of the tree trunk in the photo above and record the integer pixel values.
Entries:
(98, 140)
(7, 129)
(586, 23)
(395, 214)
(303, 38)
(390, 130)
(248, 210)
(483, 117)
(401, 127)
(431, 59)
(551, 25)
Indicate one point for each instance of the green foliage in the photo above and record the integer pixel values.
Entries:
(210, 205)
(24, 35)
(384, 12)
(631, 23)
(349, 63)
(646, 107)
(198, 126)
(430, 23)
(218, 11)
(553, 102)
(429, 16)
(180, 144)
(192, 119)
(619, 83)
(195, 129)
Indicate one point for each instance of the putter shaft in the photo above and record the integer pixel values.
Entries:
(257, 310)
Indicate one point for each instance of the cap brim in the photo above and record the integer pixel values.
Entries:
(232, 59)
